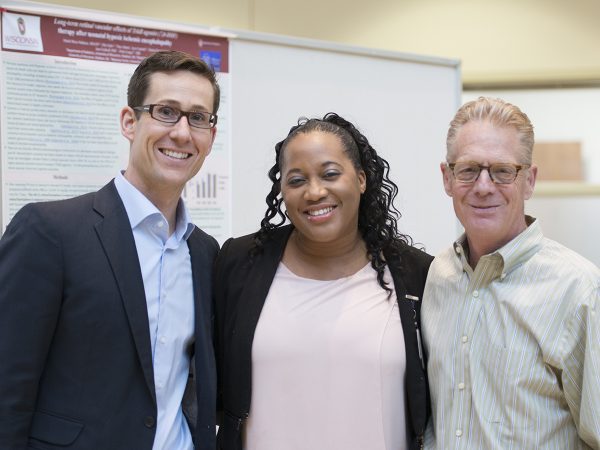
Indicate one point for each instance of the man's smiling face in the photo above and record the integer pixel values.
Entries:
(492, 214)
(164, 156)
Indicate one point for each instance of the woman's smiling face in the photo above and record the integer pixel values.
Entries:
(321, 187)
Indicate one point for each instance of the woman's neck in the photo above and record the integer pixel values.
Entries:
(325, 260)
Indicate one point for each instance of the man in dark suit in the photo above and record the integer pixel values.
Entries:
(105, 298)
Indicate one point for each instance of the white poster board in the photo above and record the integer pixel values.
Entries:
(64, 82)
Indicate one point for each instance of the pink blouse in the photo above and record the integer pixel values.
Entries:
(328, 366)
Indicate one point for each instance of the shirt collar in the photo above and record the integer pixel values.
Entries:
(523, 246)
(139, 208)
(513, 253)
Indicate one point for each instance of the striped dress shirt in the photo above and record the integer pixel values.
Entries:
(513, 347)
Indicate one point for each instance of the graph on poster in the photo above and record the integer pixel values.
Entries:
(204, 187)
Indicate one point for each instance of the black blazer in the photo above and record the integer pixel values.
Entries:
(240, 292)
(75, 356)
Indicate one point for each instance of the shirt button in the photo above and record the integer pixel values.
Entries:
(457, 249)
(458, 433)
(503, 276)
(160, 224)
(461, 386)
(163, 339)
(475, 294)
(464, 339)
(149, 421)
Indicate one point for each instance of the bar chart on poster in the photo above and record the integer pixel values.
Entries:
(204, 187)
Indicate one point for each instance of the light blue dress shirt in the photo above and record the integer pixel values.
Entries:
(167, 274)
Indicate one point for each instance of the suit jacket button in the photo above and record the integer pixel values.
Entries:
(149, 421)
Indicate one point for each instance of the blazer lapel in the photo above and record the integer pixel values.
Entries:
(114, 232)
(202, 254)
(258, 282)
(408, 298)
(200, 257)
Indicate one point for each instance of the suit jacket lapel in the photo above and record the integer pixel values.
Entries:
(114, 232)
(202, 263)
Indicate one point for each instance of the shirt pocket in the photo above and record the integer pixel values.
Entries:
(503, 386)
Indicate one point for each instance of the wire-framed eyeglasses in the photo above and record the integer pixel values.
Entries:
(500, 173)
(172, 115)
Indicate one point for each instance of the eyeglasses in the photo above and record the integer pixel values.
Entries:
(500, 173)
(170, 114)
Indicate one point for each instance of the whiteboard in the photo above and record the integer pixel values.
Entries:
(402, 104)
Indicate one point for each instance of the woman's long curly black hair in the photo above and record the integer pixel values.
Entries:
(377, 215)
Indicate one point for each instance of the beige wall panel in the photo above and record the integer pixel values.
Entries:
(558, 161)
(219, 13)
(496, 41)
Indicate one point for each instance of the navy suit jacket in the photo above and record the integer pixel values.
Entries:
(75, 356)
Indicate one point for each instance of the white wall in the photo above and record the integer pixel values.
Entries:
(573, 221)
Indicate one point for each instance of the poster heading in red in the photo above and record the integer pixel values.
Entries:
(84, 39)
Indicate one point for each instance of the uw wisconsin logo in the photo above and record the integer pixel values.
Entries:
(21, 24)
(21, 32)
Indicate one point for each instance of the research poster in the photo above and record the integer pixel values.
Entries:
(64, 82)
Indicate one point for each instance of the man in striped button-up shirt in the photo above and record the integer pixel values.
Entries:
(511, 319)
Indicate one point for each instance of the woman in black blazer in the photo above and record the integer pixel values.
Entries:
(317, 332)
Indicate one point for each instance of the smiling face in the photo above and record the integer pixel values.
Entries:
(163, 156)
(492, 214)
(321, 187)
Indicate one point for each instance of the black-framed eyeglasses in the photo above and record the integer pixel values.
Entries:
(170, 114)
(500, 173)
